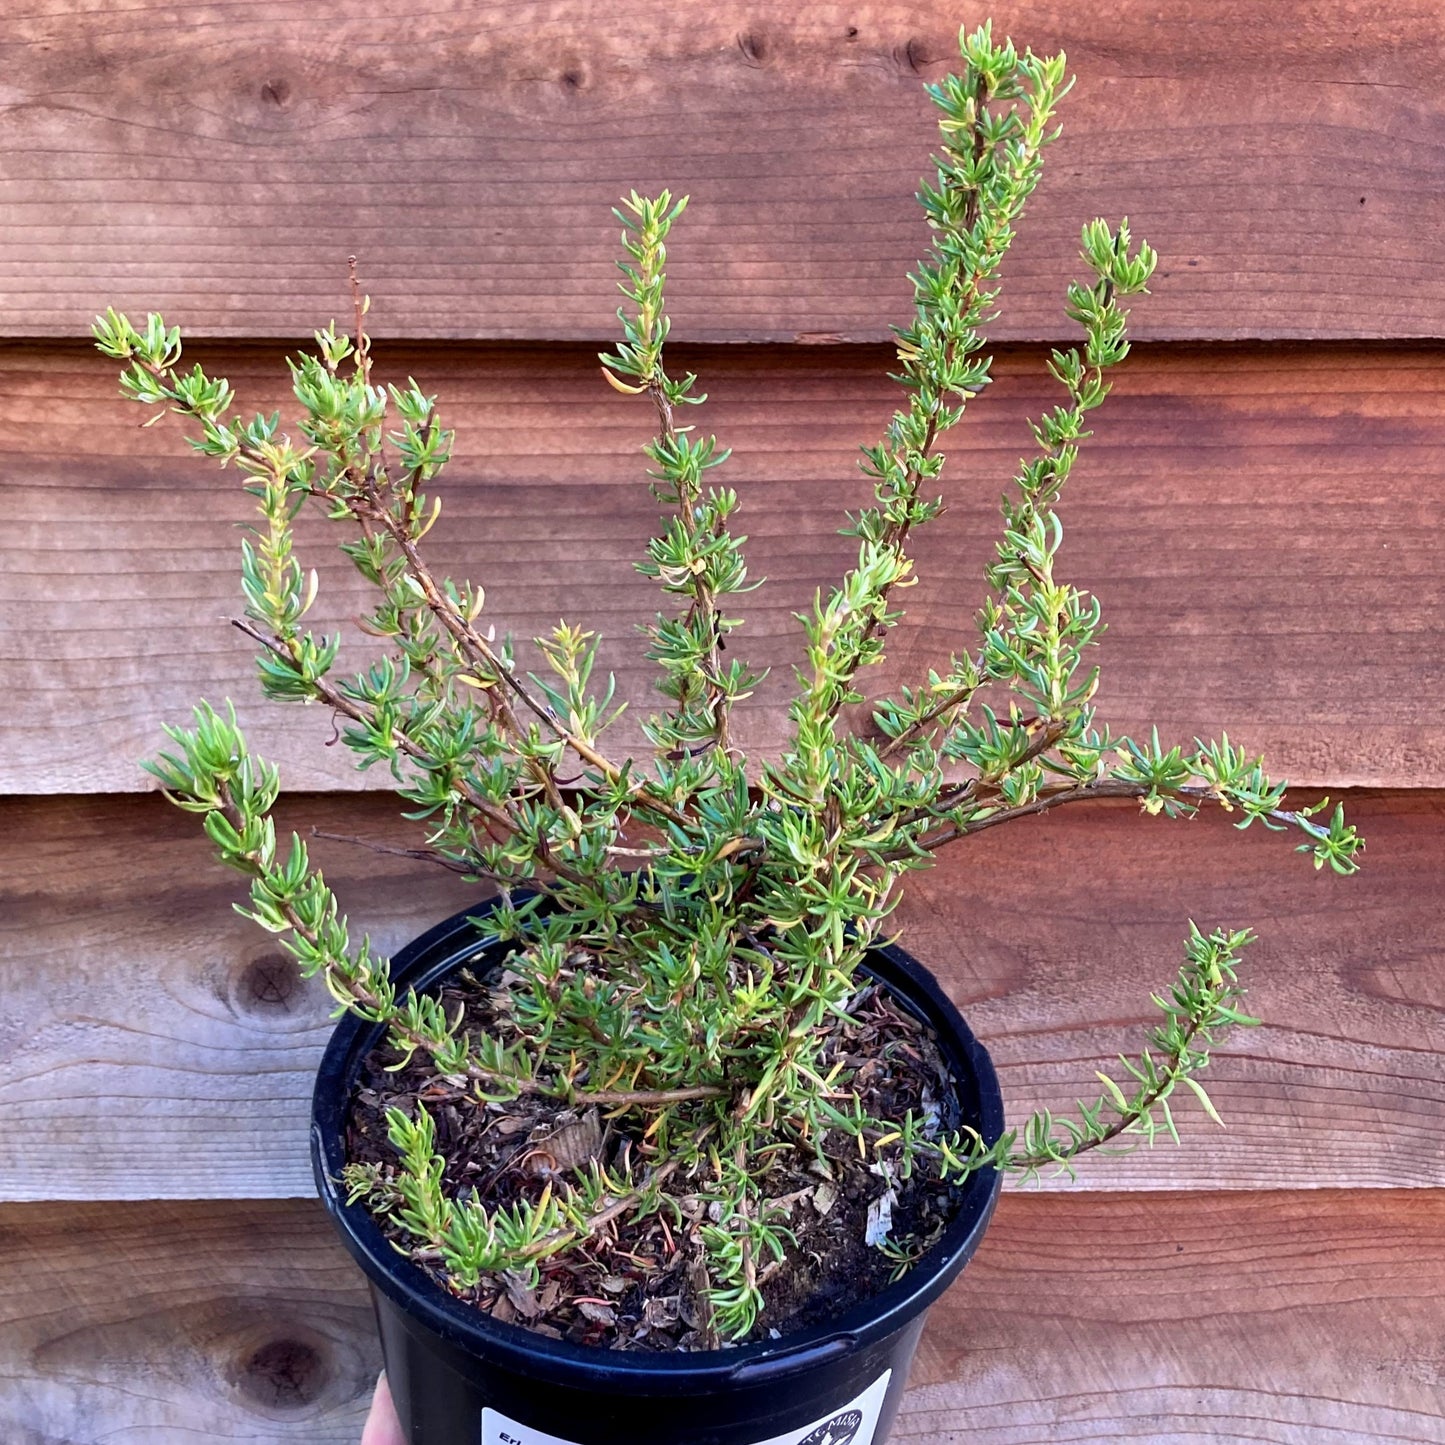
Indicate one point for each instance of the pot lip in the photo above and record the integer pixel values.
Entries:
(459, 939)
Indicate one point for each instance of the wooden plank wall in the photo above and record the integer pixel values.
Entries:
(1259, 510)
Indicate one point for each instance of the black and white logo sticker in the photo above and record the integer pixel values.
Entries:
(840, 1430)
(853, 1423)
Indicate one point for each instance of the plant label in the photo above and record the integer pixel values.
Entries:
(850, 1424)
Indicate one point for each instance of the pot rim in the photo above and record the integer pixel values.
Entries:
(462, 938)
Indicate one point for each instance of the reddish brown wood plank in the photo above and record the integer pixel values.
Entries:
(1293, 1319)
(1053, 940)
(222, 164)
(1296, 1319)
(1261, 526)
(154, 1044)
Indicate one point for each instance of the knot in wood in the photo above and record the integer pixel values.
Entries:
(268, 985)
(283, 1374)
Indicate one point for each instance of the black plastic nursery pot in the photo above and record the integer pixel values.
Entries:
(460, 1377)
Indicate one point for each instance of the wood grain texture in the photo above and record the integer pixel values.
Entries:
(1290, 1319)
(221, 165)
(1266, 1319)
(178, 1324)
(154, 1044)
(1261, 527)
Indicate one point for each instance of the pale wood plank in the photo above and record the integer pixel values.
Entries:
(1292, 1319)
(178, 1324)
(223, 164)
(154, 1044)
(1261, 527)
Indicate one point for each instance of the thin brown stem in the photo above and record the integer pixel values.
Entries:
(704, 603)
(422, 855)
(360, 305)
(745, 1243)
(646, 1098)
(941, 712)
(1045, 802)
(365, 999)
(371, 1006)
(470, 642)
(475, 646)
(923, 725)
(1174, 1070)
(701, 1285)
(896, 533)
(334, 698)
(1056, 797)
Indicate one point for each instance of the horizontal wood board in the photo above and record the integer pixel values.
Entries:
(1287, 1319)
(221, 165)
(1261, 527)
(154, 1044)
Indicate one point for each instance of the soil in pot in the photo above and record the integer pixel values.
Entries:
(641, 1284)
(462, 1376)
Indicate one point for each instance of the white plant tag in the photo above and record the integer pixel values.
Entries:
(852, 1424)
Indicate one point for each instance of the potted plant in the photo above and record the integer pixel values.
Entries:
(665, 1141)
